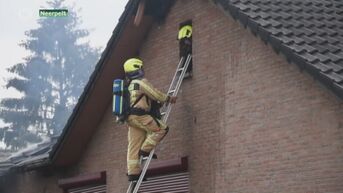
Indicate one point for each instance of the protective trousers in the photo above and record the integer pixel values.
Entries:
(144, 134)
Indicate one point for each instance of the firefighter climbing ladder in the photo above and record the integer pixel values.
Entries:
(173, 90)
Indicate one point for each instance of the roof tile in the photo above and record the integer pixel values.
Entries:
(322, 67)
(335, 77)
(336, 68)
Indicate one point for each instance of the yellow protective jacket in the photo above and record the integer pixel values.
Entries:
(138, 87)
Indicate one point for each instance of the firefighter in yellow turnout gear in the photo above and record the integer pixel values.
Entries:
(185, 44)
(145, 130)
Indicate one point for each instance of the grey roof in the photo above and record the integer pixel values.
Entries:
(308, 32)
(35, 156)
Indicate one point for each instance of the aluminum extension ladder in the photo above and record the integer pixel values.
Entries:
(173, 90)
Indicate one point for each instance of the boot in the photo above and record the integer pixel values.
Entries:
(135, 177)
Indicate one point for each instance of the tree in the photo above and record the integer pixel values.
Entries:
(51, 79)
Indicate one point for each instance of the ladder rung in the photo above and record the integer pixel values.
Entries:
(180, 69)
(171, 91)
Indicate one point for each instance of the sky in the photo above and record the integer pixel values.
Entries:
(18, 16)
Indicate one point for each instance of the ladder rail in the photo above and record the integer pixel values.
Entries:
(164, 108)
(167, 107)
(175, 75)
(131, 186)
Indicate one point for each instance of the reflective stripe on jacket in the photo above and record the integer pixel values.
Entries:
(150, 92)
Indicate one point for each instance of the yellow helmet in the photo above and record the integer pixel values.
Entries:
(185, 32)
(132, 65)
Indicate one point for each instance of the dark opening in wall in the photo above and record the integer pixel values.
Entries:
(185, 44)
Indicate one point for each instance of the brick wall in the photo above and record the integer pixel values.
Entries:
(248, 120)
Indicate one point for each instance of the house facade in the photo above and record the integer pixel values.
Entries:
(252, 118)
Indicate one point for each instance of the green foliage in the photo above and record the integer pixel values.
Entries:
(51, 79)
